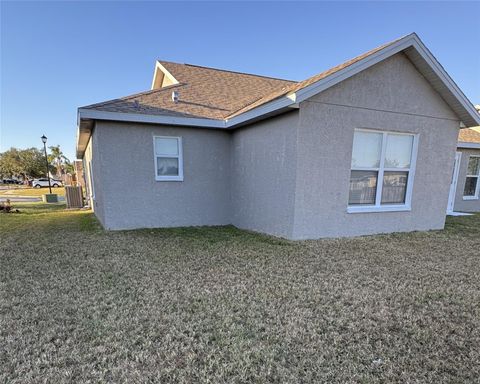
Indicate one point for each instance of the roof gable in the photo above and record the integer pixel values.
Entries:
(413, 48)
(393, 85)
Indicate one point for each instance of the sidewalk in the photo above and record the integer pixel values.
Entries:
(24, 199)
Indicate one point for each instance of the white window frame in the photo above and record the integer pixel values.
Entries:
(378, 207)
(178, 177)
(477, 189)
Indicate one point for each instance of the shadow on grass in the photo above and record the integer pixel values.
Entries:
(213, 235)
(37, 208)
(53, 216)
(47, 217)
(463, 224)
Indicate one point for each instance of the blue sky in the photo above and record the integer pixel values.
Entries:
(57, 56)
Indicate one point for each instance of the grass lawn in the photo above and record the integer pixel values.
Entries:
(30, 191)
(220, 305)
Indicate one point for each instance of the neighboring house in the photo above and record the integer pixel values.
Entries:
(365, 147)
(465, 187)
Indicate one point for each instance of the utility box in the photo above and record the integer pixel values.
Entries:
(50, 198)
(74, 196)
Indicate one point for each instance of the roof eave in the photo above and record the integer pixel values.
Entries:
(87, 116)
(465, 109)
(147, 118)
(420, 56)
(277, 105)
(467, 144)
(84, 132)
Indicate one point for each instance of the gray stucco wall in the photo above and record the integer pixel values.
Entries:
(460, 204)
(134, 199)
(289, 175)
(390, 96)
(263, 175)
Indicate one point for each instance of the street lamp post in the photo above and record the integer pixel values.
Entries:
(44, 140)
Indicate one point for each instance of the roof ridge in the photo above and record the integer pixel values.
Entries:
(241, 73)
(228, 70)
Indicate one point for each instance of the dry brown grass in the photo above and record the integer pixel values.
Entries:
(78, 304)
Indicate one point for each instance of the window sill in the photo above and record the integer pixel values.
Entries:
(470, 197)
(385, 208)
(169, 178)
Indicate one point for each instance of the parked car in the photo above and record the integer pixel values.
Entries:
(39, 183)
(12, 181)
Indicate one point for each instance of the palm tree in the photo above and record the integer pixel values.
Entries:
(59, 161)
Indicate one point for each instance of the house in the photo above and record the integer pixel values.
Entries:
(366, 147)
(465, 187)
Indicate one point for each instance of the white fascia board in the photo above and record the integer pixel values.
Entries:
(264, 109)
(406, 42)
(150, 119)
(466, 144)
(411, 40)
(319, 86)
(446, 79)
(352, 69)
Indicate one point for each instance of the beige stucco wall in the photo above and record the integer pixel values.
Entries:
(390, 96)
(134, 199)
(460, 204)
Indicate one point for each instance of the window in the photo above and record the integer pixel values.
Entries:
(472, 184)
(382, 167)
(168, 158)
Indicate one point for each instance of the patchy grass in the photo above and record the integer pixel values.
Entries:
(21, 191)
(220, 305)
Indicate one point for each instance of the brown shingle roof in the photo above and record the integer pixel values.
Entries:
(213, 93)
(311, 80)
(203, 92)
(469, 135)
